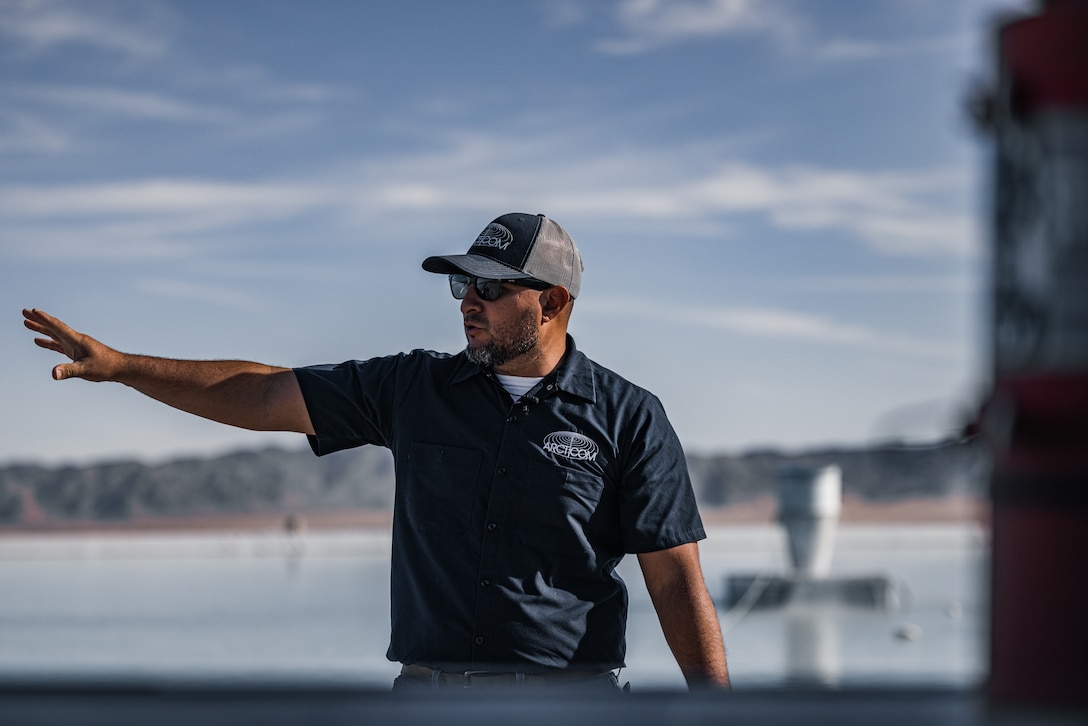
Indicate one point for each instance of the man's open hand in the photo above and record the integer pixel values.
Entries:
(91, 360)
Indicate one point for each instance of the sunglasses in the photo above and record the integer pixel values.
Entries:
(489, 289)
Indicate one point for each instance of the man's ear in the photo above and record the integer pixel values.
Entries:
(552, 302)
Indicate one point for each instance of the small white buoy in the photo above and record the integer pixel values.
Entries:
(908, 631)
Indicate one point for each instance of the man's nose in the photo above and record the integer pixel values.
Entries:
(471, 300)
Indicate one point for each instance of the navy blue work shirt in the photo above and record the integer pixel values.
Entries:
(510, 517)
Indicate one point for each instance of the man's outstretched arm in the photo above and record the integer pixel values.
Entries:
(688, 619)
(240, 393)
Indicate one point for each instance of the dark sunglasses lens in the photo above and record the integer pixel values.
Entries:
(459, 286)
(488, 289)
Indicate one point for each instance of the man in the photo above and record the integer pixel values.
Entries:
(524, 473)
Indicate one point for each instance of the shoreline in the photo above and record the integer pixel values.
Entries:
(920, 510)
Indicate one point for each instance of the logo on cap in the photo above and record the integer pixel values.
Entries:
(494, 235)
(571, 445)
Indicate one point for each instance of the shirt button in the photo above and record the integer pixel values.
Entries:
(501, 471)
(478, 640)
(485, 583)
(512, 419)
(491, 526)
(549, 387)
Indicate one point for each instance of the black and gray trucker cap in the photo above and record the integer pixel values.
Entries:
(518, 246)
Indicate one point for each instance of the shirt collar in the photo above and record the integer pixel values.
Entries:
(574, 374)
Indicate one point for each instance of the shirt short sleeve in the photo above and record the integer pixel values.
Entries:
(350, 403)
(657, 503)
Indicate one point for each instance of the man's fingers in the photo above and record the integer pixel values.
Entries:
(49, 344)
(43, 322)
(36, 327)
(90, 359)
(34, 315)
(58, 335)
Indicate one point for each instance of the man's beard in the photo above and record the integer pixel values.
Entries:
(506, 344)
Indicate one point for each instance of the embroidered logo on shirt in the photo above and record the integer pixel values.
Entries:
(494, 235)
(571, 445)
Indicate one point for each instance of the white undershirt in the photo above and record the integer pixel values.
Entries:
(517, 386)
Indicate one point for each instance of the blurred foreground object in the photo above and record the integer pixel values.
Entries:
(1035, 423)
(812, 600)
(809, 503)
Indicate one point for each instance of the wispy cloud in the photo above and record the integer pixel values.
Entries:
(256, 83)
(646, 25)
(200, 292)
(901, 213)
(898, 213)
(876, 284)
(27, 133)
(117, 102)
(891, 212)
(779, 324)
(852, 49)
(109, 241)
(46, 119)
(244, 100)
(40, 26)
(643, 26)
(223, 201)
(143, 219)
(564, 13)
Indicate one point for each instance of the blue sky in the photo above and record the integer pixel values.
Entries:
(781, 205)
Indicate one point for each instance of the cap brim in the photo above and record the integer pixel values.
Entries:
(475, 265)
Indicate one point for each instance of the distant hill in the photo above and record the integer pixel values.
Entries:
(882, 474)
(284, 480)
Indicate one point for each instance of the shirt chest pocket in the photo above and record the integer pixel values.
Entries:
(557, 507)
(438, 487)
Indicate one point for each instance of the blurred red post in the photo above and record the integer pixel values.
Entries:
(1036, 421)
